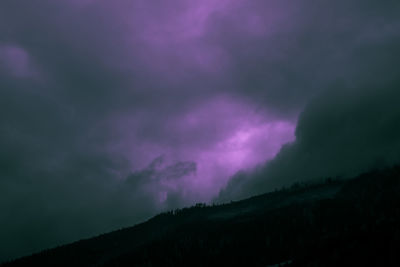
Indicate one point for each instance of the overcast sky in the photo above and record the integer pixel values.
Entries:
(112, 111)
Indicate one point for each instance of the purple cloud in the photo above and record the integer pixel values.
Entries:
(92, 92)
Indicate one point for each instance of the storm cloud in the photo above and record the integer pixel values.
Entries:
(341, 133)
(93, 92)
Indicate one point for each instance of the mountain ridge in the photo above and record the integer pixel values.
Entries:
(288, 224)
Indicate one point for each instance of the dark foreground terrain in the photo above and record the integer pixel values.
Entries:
(335, 223)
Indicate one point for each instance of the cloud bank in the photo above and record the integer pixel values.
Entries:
(340, 134)
(93, 92)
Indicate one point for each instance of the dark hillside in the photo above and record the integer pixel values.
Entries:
(336, 223)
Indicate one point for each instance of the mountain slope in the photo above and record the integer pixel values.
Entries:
(338, 222)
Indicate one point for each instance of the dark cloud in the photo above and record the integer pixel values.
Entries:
(91, 92)
(345, 57)
(306, 46)
(156, 171)
(341, 133)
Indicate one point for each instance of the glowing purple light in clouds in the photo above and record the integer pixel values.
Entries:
(230, 136)
(177, 46)
(177, 50)
(221, 135)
